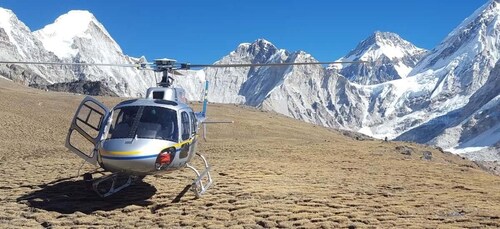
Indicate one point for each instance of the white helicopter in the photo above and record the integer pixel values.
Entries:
(139, 137)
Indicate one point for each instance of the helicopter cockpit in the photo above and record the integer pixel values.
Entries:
(149, 122)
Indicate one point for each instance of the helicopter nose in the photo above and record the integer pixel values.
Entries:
(135, 156)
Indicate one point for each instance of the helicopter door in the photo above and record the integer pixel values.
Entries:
(86, 129)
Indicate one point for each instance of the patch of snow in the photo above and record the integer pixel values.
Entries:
(366, 130)
(5, 20)
(403, 70)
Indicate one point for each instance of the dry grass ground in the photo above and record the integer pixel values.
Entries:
(269, 171)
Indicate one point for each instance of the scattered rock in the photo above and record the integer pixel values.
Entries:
(209, 204)
(426, 155)
(456, 213)
(153, 208)
(266, 224)
(46, 224)
(405, 150)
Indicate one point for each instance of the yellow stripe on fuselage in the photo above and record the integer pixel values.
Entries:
(132, 153)
(122, 153)
(189, 141)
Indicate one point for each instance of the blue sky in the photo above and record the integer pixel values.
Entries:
(202, 31)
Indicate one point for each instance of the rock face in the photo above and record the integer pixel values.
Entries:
(448, 96)
(80, 87)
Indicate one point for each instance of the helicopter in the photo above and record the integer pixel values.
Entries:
(146, 136)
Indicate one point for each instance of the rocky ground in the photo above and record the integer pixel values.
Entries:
(269, 171)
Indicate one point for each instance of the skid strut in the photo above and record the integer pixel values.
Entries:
(203, 180)
(111, 184)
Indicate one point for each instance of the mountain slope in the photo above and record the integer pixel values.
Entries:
(462, 71)
(475, 126)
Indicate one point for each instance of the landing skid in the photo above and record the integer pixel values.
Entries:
(203, 180)
(110, 184)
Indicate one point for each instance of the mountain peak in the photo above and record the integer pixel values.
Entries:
(476, 36)
(383, 43)
(378, 36)
(5, 13)
(78, 17)
(263, 44)
(484, 14)
(260, 50)
(6, 19)
(59, 36)
(393, 58)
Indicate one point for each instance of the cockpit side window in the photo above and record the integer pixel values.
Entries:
(186, 126)
(193, 123)
(169, 128)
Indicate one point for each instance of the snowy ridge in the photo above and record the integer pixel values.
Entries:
(391, 58)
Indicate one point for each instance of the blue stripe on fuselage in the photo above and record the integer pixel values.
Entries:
(129, 158)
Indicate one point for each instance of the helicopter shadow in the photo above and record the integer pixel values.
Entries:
(68, 196)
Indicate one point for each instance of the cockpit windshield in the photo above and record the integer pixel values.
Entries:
(144, 122)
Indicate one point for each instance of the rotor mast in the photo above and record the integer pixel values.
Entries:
(165, 66)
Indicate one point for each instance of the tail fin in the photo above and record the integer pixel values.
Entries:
(204, 111)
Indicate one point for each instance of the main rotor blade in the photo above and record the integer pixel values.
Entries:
(75, 64)
(269, 64)
(177, 73)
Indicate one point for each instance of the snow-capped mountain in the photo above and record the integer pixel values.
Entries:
(390, 57)
(247, 85)
(77, 36)
(462, 73)
(441, 84)
(17, 43)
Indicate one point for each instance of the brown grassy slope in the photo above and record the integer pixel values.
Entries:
(269, 171)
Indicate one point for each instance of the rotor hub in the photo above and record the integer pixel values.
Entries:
(165, 65)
